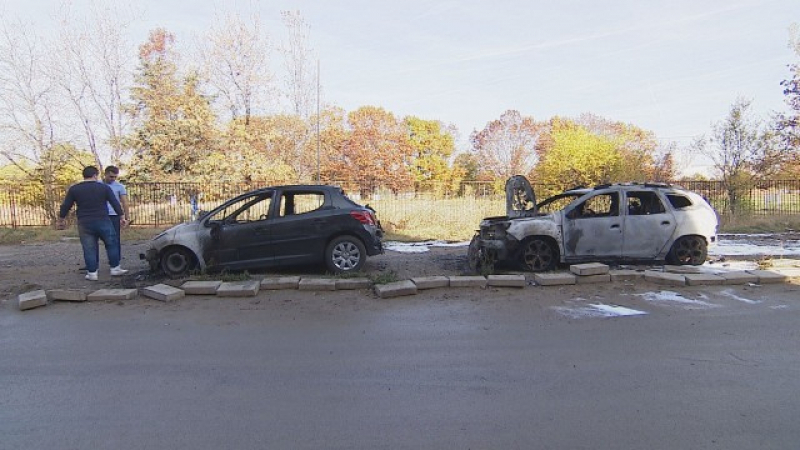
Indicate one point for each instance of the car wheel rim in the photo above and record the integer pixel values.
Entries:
(538, 255)
(689, 251)
(346, 256)
(176, 263)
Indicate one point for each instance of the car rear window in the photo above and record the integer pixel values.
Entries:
(679, 201)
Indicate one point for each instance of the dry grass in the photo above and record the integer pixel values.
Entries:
(451, 220)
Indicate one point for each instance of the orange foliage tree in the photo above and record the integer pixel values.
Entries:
(376, 151)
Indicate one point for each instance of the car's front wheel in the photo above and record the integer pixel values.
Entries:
(177, 262)
(688, 250)
(538, 255)
(345, 254)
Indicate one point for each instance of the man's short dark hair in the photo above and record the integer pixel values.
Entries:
(112, 169)
(90, 171)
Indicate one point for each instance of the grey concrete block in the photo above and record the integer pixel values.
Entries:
(431, 282)
(163, 292)
(671, 279)
(517, 281)
(682, 269)
(592, 279)
(32, 299)
(346, 284)
(467, 281)
(111, 294)
(247, 288)
(317, 284)
(703, 279)
(739, 277)
(589, 269)
(769, 276)
(67, 295)
(396, 289)
(792, 274)
(201, 287)
(626, 275)
(554, 279)
(280, 283)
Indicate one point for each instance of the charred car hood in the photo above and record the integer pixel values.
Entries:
(520, 198)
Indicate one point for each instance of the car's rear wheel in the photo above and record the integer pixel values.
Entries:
(688, 250)
(345, 254)
(538, 255)
(177, 262)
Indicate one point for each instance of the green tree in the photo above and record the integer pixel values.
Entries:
(576, 156)
(431, 147)
(742, 150)
(174, 122)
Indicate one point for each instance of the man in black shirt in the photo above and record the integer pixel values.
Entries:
(93, 221)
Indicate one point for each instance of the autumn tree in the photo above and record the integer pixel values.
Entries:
(742, 150)
(376, 151)
(432, 145)
(235, 57)
(174, 122)
(643, 158)
(94, 73)
(298, 58)
(576, 156)
(507, 146)
(31, 113)
(788, 124)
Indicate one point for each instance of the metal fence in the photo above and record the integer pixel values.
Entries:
(437, 207)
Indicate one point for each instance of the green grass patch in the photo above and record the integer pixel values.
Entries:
(387, 277)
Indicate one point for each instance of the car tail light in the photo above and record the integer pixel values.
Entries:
(365, 217)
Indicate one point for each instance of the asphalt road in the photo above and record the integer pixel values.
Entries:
(435, 371)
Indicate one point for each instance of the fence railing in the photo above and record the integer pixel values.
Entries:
(434, 208)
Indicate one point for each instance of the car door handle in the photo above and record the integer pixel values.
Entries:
(616, 225)
(666, 222)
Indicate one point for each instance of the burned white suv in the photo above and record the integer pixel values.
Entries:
(609, 223)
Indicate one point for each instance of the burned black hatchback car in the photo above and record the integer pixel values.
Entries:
(613, 222)
(275, 226)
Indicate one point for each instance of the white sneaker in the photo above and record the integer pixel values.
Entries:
(91, 276)
(117, 271)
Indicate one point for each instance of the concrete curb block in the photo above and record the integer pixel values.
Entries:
(467, 281)
(163, 292)
(431, 282)
(280, 283)
(396, 289)
(201, 287)
(112, 294)
(239, 288)
(32, 299)
(67, 295)
(517, 281)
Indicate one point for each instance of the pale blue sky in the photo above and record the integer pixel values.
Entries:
(670, 67)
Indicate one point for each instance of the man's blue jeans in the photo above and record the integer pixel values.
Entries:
(92, 231)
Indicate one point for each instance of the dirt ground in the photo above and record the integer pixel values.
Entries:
(54, 265)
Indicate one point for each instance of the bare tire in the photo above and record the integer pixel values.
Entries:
(479, 259)
(688, 250)
(345, 254)
(538, 255)
(177, 262)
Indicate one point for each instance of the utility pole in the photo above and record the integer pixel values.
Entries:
(318, 139)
